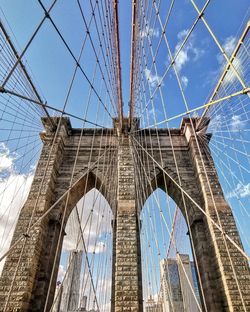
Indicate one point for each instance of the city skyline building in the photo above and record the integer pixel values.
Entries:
(69, 297)
(152, 305)
(179, 285)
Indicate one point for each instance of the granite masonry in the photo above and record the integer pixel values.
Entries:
(219, 261)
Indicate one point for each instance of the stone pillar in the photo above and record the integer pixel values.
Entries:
(127, 281)
(218, 280)
(32, 272)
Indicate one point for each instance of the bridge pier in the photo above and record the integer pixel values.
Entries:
(224, 272)
(27, 270)
(127, 279)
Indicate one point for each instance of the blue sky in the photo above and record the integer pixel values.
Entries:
(52, 65)
(199, 67)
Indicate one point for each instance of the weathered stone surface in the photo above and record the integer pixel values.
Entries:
(127, 291)
(33, 269)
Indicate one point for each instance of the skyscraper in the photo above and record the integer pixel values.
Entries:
(179, 286)
(152, 305)
(71, 284)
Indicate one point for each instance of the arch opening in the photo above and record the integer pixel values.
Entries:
(85, 265)
(168, 270)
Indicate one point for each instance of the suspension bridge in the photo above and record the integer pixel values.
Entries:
(113, 207)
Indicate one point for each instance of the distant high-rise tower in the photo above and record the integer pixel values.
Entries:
(220, 262)
(176, 292)
(71, 284)
(152, 305)
(83, 303)
(58, 297)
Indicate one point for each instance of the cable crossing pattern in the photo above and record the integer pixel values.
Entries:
(107, 210)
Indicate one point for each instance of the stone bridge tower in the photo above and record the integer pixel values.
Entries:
(29, 290)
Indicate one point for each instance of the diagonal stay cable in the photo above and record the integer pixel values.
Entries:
(28, 44)
(172, 62)
(187, 112)
(11, 249)
(74, 58)
(232, 58)
(206, 175)
(175, 163)
(94, 50)
(22, 66)
(222, 50)
(169, 232)
(196, 204)
(3, 90)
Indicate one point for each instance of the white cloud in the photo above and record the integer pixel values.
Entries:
(236, 123)
(188, 52)
(97, 208)
(184, 81)
(6, 160)
(216, 123)
(240, 191)
(182, 34)
(148, 31)
(153, 80)
(14, 190)
(229, 45)
(244, 190)
(181, 59)
(231, 76)
(212, 77)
